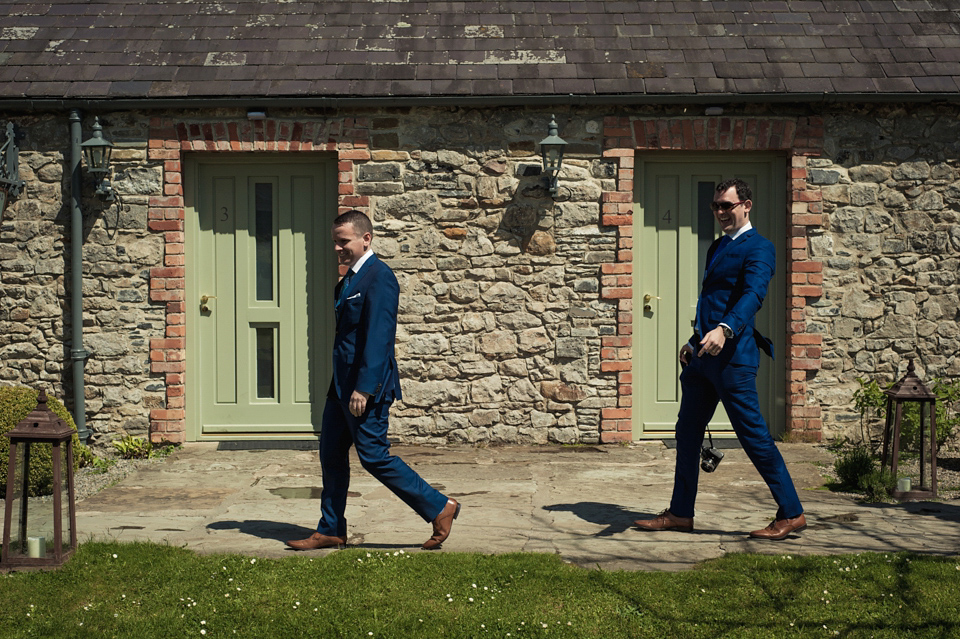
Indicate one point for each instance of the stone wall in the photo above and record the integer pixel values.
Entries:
(500, 321)
(118, 250)
(515, 308)
(890, 246)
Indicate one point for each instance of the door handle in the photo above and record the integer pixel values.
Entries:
(203, 302)
(646, 302)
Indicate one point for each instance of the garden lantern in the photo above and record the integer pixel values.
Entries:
(25, 533)
(911, 389)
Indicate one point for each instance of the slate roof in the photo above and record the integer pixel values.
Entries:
(408, 51)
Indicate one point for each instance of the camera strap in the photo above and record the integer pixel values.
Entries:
(710, 435)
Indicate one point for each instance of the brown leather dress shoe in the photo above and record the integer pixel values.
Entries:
(780, 528)
(666, 521)
(316, 540)
(442, 525)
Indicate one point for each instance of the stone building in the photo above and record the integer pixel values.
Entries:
(241, 129)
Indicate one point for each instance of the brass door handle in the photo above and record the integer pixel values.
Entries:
(646, 302)
(203, 302)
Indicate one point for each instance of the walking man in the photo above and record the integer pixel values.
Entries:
(720, 365)
(365, 383)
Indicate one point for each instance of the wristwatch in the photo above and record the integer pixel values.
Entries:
(727, 331)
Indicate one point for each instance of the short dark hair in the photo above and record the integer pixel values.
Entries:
(359, 220)
(744, 192)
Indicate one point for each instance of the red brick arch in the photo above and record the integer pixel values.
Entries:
(171, 137)
(798, 137)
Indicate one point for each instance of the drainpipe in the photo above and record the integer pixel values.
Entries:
(77, 354)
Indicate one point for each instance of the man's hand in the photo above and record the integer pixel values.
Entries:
(712, 343)
(685, 352)
(358, 403)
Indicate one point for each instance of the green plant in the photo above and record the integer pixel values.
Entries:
(163, 450)
(871, 402)
(130, 447)
(16, 402)
(877, 485)
(85, 456)
(853, 465)
(869, 398)
(948, 407)
(856, 469)
(103, 464)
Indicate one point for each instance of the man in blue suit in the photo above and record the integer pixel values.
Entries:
(365, 383)
(720, 364)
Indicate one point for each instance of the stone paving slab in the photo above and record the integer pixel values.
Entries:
(578, 502)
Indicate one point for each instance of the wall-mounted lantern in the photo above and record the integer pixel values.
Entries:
(10, 183)
(47, 538)
(551, 148)
(96, 152)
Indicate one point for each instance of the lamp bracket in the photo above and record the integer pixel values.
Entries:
(10, 164)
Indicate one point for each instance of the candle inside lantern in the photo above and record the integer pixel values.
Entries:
(36, 547)
(903, 484)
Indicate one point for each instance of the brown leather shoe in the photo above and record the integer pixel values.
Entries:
(780, 528)
(666, 521)
(316, 540)
(442, 525)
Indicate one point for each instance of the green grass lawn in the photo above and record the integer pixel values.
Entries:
(144, 590)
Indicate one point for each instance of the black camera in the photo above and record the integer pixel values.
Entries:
(710, 459)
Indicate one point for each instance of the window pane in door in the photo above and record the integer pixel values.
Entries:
(263, 228)
(265, 363)
(705, 232)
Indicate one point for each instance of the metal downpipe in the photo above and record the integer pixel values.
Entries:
(77, 354)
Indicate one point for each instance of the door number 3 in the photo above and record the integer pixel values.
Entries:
(224, 216)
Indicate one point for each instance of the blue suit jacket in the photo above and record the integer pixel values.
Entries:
(734, 286)
(363, 348)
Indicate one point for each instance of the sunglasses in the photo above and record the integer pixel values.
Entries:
(725, 206)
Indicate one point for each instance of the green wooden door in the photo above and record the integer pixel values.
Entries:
(261, 274)
(673, 227)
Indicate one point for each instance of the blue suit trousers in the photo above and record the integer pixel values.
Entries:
(369, 433)
(705, 382)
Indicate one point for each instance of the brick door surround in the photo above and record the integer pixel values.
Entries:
(169, 139)
(799, 138)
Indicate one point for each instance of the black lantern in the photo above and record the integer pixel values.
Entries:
(96, 152)
(911, 389)
(10, 183)
(38, 539)
(551, 148)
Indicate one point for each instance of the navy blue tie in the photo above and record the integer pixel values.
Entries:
(724, 241)
(343, 292)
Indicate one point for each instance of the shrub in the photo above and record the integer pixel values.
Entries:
(853, 465)
(857, 470)
(878, 485)
(15, 404)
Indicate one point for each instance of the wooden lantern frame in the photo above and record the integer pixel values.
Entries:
(41, 426)
(911, 389)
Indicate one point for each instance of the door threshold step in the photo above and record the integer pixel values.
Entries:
(718, 442)
(270, 444)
